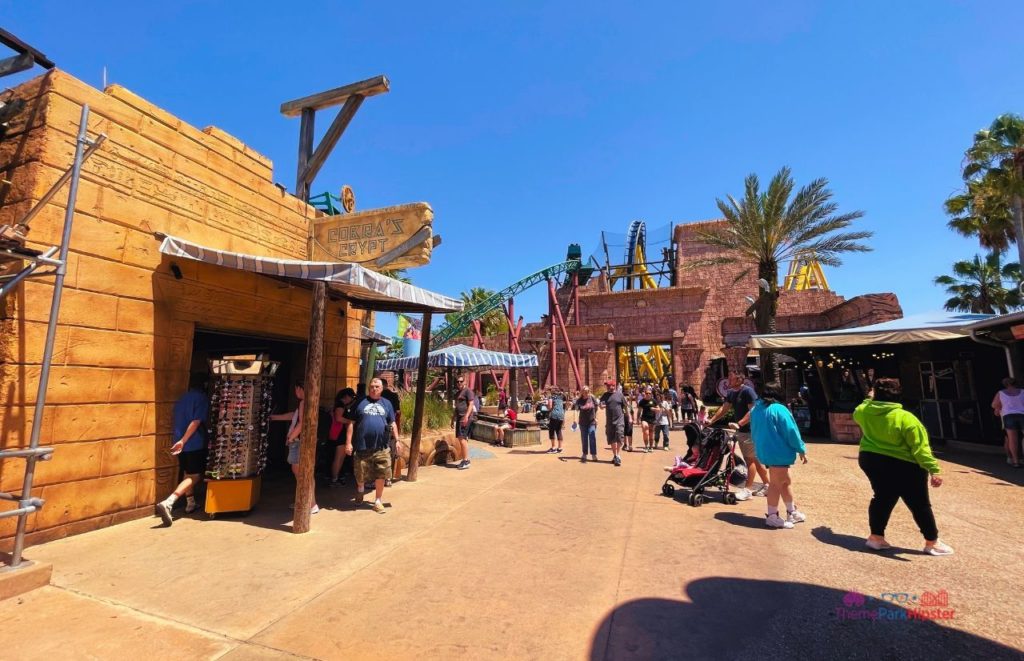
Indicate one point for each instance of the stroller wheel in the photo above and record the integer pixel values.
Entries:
(689, 500)
(698, 500)
(667, 490)
(730, 499)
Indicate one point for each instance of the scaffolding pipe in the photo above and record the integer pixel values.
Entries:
(51, 333)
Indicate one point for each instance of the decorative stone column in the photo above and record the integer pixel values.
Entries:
(736, 358)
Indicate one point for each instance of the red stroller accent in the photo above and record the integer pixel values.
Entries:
(714, 469)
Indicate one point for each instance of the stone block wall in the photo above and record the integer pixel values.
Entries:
(124, 339)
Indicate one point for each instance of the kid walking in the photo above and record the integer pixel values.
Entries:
(777, 443)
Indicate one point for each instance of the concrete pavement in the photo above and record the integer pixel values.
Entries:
(532, 556)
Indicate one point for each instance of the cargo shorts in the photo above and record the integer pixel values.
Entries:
(370, 465)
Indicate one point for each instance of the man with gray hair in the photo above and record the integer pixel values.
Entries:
(367, 440)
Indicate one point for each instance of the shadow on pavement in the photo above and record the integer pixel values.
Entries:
(730, 618)
(993, 465)
(741, 519)
(855, 543)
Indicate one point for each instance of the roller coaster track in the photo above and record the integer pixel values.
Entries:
(464, 319)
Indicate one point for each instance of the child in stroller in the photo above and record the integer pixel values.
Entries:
(711, 463)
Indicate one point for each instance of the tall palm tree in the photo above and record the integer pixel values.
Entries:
(772, 227)
(492, 323)
(981, 211)
(978, 285)
(996, 158)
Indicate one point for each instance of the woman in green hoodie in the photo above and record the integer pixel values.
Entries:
(897, 458)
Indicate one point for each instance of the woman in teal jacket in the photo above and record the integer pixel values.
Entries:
(777, 443)
(897, 458)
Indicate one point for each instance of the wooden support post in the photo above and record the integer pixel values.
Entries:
(304, 496)
(305, 151)
(565, 334)
(330, 139)
(421, 393)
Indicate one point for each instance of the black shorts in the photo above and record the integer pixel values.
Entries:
(555, 429)
(193, 463)
(1014, 421)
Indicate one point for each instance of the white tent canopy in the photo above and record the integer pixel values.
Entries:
(925, 327)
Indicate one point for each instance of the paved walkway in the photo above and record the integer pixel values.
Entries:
(534, 556)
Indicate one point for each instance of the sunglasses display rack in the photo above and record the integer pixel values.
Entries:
(240, 406)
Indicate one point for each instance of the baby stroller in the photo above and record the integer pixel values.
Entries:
(542, 415)
(717, 466)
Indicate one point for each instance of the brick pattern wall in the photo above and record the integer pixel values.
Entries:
(124, 339)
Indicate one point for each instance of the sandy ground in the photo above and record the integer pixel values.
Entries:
(536, 556)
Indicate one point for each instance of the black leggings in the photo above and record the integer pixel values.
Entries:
(893, 479)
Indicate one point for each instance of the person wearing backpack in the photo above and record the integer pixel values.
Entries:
(556, 406)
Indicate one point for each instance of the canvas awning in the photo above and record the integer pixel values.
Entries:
(460, 355)
(926, 327)
(372, 336)
(362, 287)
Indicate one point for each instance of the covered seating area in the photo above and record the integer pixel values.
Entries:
(949, 372)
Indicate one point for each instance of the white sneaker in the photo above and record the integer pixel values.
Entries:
(743, 494)
(761, 490)
(776, 521)
(796, 516)
(190, 506)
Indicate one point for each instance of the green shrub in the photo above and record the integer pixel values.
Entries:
(437, 413)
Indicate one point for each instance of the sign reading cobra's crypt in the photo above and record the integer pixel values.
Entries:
(395, 237)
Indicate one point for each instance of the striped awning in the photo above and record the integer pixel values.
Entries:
(362, 287)
(462, 356)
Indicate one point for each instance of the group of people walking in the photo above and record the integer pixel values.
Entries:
(895, 453)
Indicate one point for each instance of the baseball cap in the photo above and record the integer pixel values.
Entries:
(609, 383)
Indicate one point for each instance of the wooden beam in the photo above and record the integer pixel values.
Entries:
(16, 63)
(402, 248)
(305, 152)
(336, 96)
(421, 392)
(305, 485)
(12, 42)
(330, 139)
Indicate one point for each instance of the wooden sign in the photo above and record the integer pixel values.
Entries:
(395, 237)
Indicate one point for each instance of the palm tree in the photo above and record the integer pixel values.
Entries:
(773, 227)
(996, 158)
(982, 211)
(978, 286)
(492, 323)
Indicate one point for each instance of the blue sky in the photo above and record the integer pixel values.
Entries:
(532, 125)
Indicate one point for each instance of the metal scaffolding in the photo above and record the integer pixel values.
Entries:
(18, 263)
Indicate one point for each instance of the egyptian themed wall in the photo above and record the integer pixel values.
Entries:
(126, 324)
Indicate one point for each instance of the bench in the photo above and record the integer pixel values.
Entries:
(524, 434)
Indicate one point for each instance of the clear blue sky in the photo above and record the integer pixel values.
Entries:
(532, 125)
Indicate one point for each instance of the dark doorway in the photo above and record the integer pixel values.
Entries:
(208, 344)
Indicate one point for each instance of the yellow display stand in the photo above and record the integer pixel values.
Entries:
(239, 495)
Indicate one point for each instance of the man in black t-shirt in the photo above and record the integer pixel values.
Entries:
(741, 398)
(614, 402)
(465, 408)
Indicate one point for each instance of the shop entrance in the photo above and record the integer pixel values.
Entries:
(208, 344)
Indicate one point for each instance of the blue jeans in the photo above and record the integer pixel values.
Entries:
(660, 430)
(589, 437)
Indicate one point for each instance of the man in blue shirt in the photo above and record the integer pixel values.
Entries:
(367, 440)
(189, 445)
